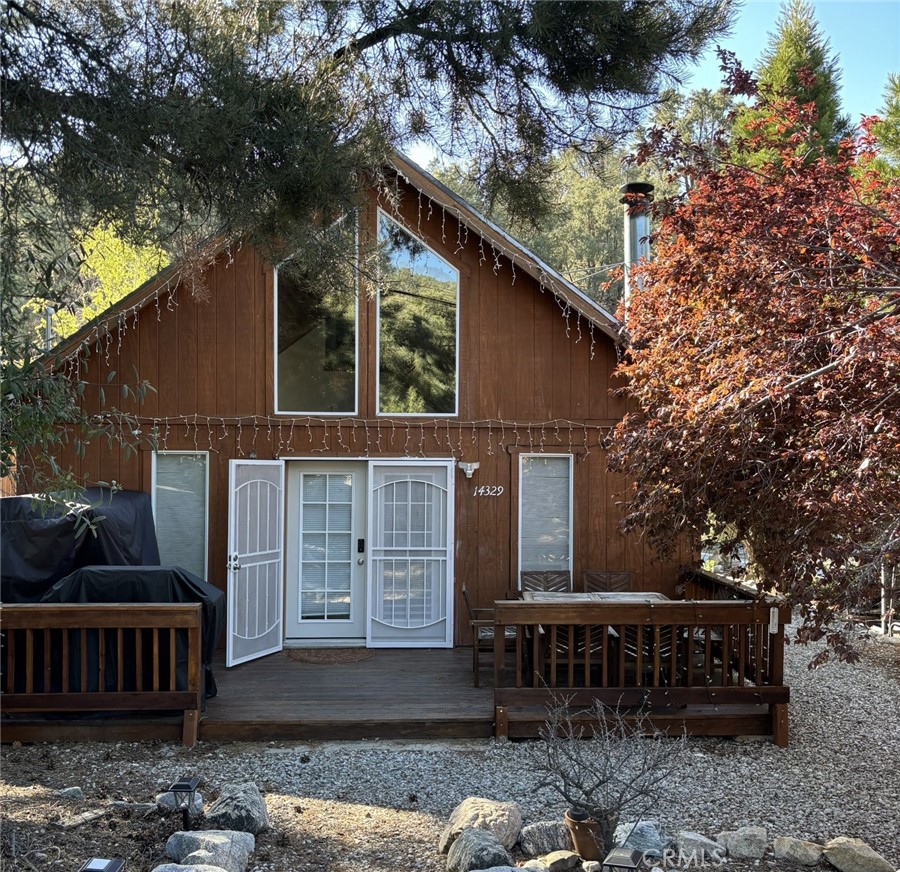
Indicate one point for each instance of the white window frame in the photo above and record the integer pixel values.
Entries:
(153, 468)
(378, 412)
(313, 412)
(571, 460)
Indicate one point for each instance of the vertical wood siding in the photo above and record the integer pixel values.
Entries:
(523, 362)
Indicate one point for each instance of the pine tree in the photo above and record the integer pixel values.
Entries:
(887, 130)
(799, 63)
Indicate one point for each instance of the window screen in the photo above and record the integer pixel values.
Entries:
(545, 522)
(180, 507)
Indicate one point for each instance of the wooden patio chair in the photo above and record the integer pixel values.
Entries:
(546, 580)
(481, 621)
(606, 581)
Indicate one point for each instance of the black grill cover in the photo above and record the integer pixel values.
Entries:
(149, 584)
(38, 548)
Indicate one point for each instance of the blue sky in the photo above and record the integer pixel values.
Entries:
(864, 34)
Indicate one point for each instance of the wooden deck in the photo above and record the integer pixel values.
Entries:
(394, 693)
(415, 694)
(711, 665)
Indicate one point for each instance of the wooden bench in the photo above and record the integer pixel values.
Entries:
(47, 648)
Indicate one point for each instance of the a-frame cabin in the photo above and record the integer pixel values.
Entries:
(341, 502)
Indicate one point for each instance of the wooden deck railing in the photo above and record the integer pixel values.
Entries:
(112, 657)
(709, 654)
(697, 584)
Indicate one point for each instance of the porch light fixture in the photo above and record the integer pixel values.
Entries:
(183, 791)
(469, 467)
(98, 864)
(620, 859)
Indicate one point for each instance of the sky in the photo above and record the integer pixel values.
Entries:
(864, 34)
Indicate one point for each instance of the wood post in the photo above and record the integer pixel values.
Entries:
(501, 722)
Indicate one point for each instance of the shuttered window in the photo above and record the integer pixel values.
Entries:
(180, 506)
(545, 512)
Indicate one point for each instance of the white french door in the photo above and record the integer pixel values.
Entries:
(255, 559)
(410, 554)
(326, 559)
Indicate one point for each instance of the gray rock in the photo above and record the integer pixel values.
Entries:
(746, 843)
(591, 866)
(561, 861)
(167, 802)
(71, 793)
(797, 851)
(703, 849)
(228, 849)
(239, 807)
(854, 855)
(535, 865)
(502, 819)
(643, 836)
(543, 837)
(502, 869)
(476, 849)
(206, 859)
(178, 867)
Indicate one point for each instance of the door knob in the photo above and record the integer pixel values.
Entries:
(361, 561)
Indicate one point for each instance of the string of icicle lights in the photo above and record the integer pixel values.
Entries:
(108, 329)
(359, 436)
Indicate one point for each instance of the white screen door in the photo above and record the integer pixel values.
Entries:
(326, 565)
(255, 575)
(410, 555)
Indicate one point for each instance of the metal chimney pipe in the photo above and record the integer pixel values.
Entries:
(636, 196)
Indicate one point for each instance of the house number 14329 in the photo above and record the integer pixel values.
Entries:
(488, 490)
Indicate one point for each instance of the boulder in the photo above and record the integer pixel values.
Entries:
(228, 849)
(167, 802)
(643, 836)
(71, 793)
(476, 849)
(561, 861)
(703, 849)
(797, 851)
(502, 819)
(854, 855)
(746, 843)
(543, 837)
(239, 807)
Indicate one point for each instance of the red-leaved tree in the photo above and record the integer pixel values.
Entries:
(764, 367)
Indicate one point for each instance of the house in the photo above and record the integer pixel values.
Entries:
(341, 470)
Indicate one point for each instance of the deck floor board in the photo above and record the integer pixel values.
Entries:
(392, 692)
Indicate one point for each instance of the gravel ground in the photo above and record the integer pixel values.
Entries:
(380, 805)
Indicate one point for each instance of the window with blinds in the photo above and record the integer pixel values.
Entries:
(180, 506)
(545, 512)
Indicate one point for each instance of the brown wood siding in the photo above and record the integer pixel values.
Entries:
(532, 377)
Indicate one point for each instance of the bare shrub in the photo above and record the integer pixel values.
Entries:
(605, 761)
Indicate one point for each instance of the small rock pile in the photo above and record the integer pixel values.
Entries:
(235, 818)
(481, 835)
